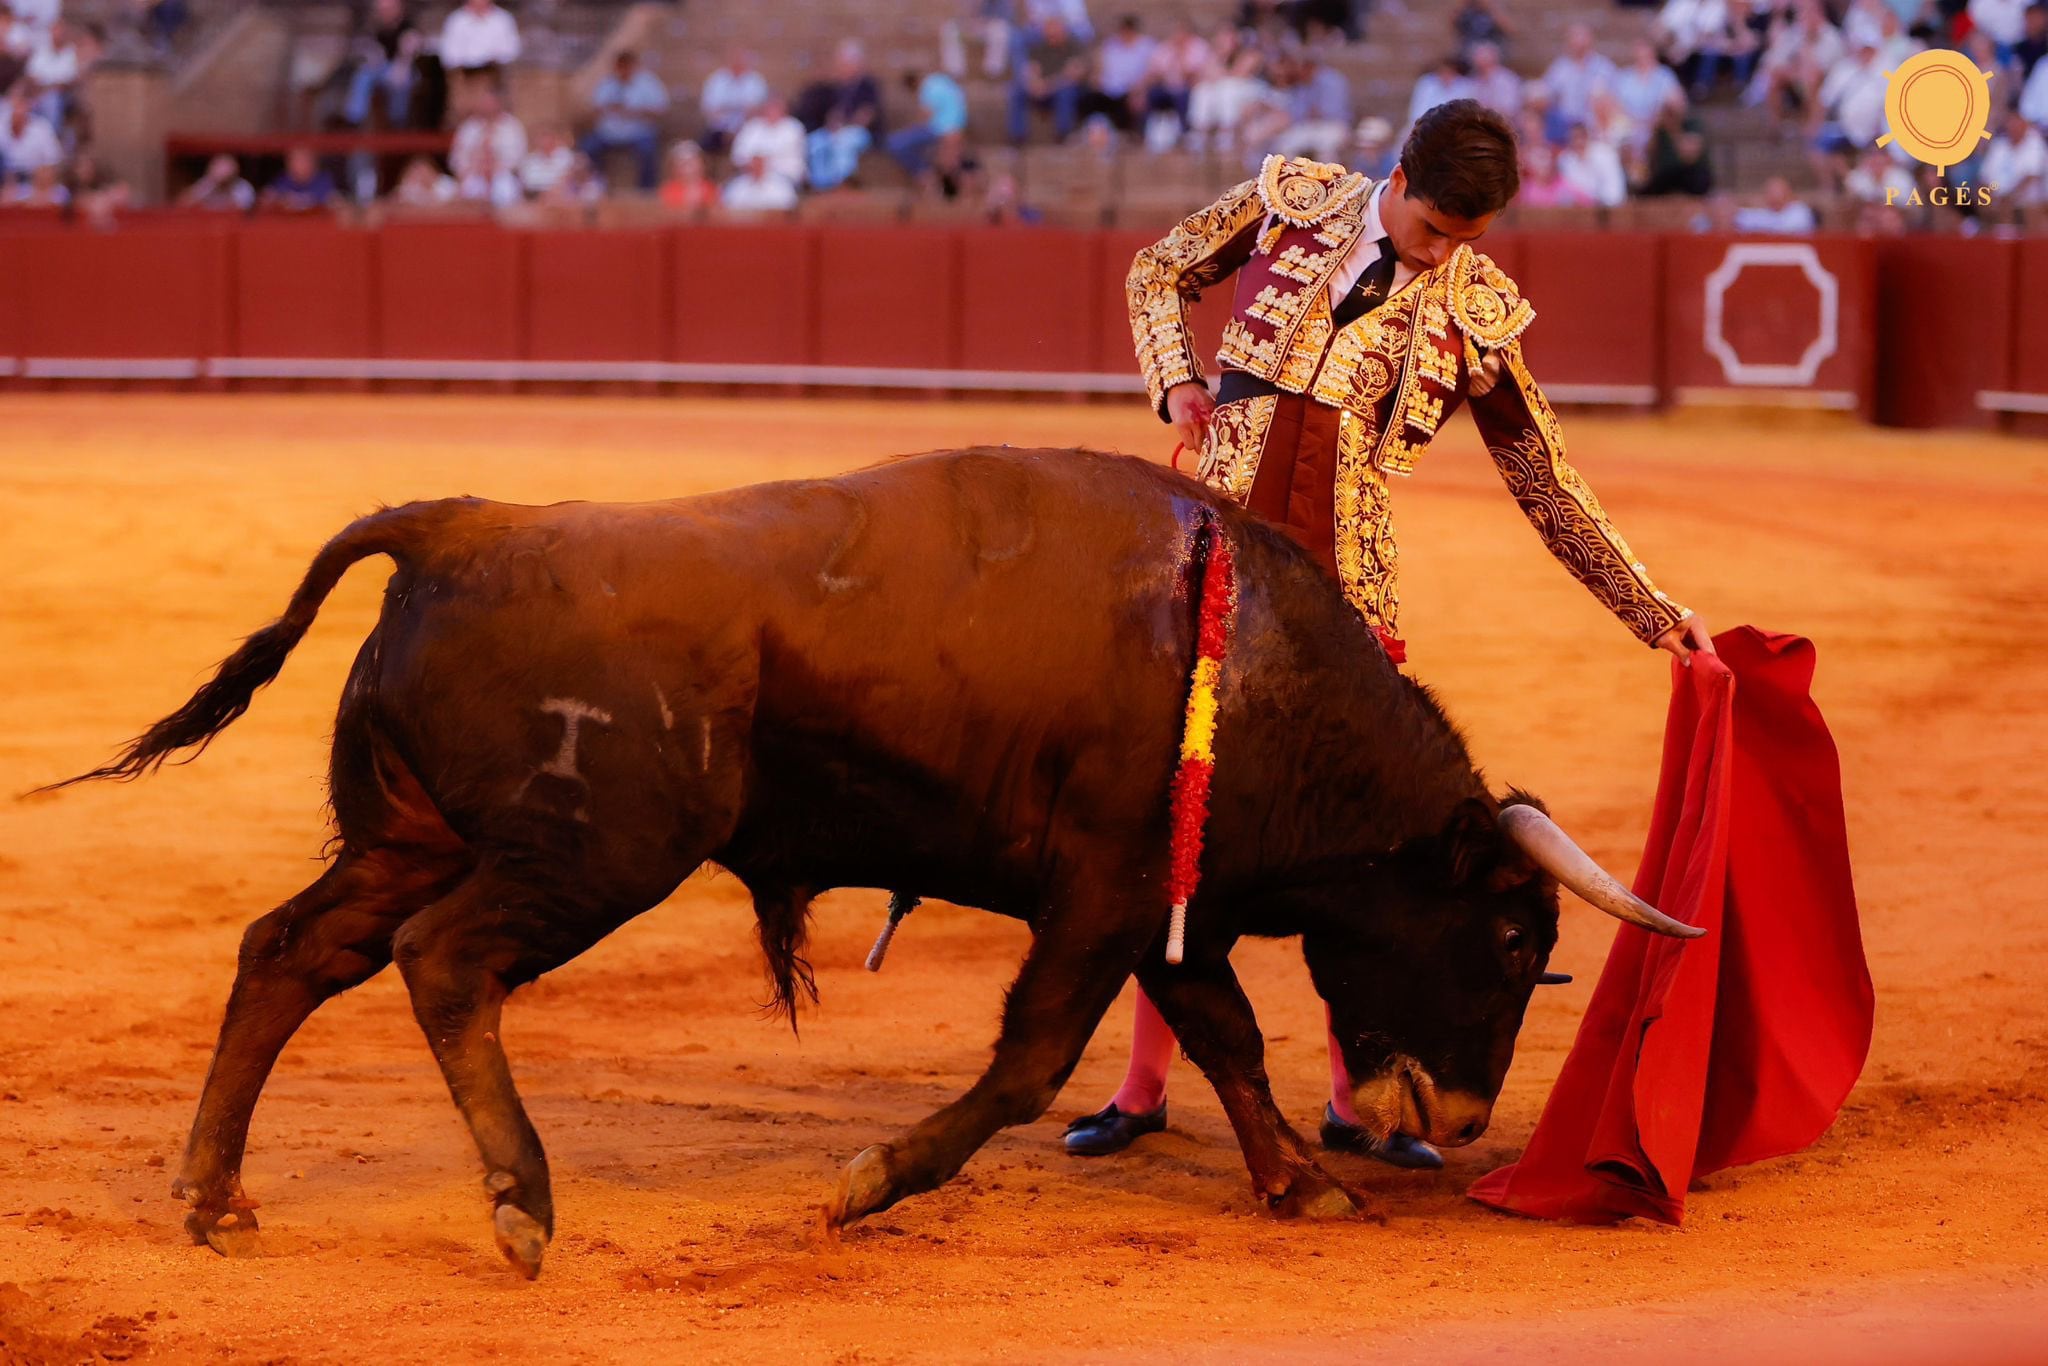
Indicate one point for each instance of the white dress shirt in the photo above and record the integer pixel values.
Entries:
(470, 40)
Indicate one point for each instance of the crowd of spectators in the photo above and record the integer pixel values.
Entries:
(1598, 127)
(46, 158)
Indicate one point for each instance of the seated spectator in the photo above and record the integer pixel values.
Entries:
(1318, 108)
(758, 189)
(1480, 21)
(1878, 178)
(478, 40)
(993, 21)
(1802, 49)
(161, 20)
(1779, 212)
(629, 104)
(387, 46)
(1051, 77)
(773, 134)
(484, 179)
(547, 165)
(221, 188)
(17, 41)
(1573, 78)
(731, 94)
(1677, 160)
(832, 154)
(686, 189)
(302, 187)
(1070, 15)
(96, 194)
(1373, 152)
(1850, 111)
(54, 68)
(1175, 66)
(1643, 87)
(422, 186)
(2004, 22)
(2033, 44)
(1224, 91)
(1543, 185)
(1441, 84)
(850, 90)
(491, 129)
(2017, 163)
(1593, 168)
(954, 171)
(27, 141)
(1122, 64)
(1699, 37)
(1492, 84)
(43, 188)
(944, 106)
(1002, 203)
(2034, 96)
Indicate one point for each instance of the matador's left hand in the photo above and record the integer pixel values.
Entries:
(1689, 634)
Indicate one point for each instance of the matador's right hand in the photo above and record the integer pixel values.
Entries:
(1188, 406)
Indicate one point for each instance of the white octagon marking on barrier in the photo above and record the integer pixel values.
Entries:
(1742, 255)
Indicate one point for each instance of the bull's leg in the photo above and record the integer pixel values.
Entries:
(1206, 1009)
(460, 958)
(330, 937)
(1079, 961)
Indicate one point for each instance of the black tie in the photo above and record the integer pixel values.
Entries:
(1370, 291)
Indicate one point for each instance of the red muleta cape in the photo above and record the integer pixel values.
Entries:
(1740, 1046)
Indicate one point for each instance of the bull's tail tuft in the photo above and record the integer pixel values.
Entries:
(260, 658)
(785, 929)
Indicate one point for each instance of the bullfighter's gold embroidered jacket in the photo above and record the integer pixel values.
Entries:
(1396, 373)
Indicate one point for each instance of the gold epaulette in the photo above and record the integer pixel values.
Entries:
(1303, 192)
(1488, 307)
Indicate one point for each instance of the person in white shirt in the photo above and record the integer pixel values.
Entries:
(549, 164)
(731, 94)
(1492, 84)
(758, 189)
(1779, 213)
(2004, 22)
(1593, 167)
(1852, 97)
(2034, 95)
(2017, 161)
(1644, 86)
(492, 130)
(27, 141)
(1116, 85)
(1797, 59)
(484, 179)
(1878, 179)
(774, 135)
(478, 38)
(1573, 79)
(39, 15)
(53, 68)
(1442, 83)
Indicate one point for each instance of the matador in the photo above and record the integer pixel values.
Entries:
(1362, 318)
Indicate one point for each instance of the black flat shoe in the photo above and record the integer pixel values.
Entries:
(1110, 1130)
(1398, 1150)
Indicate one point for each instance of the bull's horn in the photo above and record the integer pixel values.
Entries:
(1553, 979)
(1552, 850)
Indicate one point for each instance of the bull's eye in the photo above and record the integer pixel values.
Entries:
(1511, 938)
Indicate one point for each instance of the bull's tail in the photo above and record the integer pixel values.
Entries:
(261, 657)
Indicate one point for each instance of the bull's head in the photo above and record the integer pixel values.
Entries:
(1427, 991)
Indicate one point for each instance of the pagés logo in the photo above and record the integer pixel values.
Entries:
(1938, 107)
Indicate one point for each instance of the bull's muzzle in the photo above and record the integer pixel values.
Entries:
(1406, 1099)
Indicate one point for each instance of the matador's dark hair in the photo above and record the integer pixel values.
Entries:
(1460, 158)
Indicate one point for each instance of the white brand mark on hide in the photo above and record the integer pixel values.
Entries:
(573, 714)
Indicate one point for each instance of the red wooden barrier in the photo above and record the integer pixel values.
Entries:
(1028, 300)
(304, 291)
(1764, 317)
(1599, 301)
(889, 296)
(449, 291)
(2030, 325)
(1945, 309)
(157, 295)
(597, 296)
(744, 295)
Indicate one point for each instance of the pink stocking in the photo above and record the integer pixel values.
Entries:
(1152, 1048)
(1340, 1080)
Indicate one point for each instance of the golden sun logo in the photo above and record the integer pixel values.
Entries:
(1938, 107)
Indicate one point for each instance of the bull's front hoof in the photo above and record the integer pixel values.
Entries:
(864, 1187)
(1311, 1198)
(227, 1226)
(520, 1237)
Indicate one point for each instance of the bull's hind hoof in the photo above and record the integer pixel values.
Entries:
(864, 1188)
(1313, 1199)
(521, 1238)
(233, 1234)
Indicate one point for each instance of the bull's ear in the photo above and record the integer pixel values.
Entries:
(1473, 843)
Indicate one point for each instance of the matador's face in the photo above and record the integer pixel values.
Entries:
(1423, 235)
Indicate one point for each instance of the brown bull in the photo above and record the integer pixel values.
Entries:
(959, 675)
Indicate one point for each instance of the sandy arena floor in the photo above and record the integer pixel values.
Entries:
(692, 1141)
